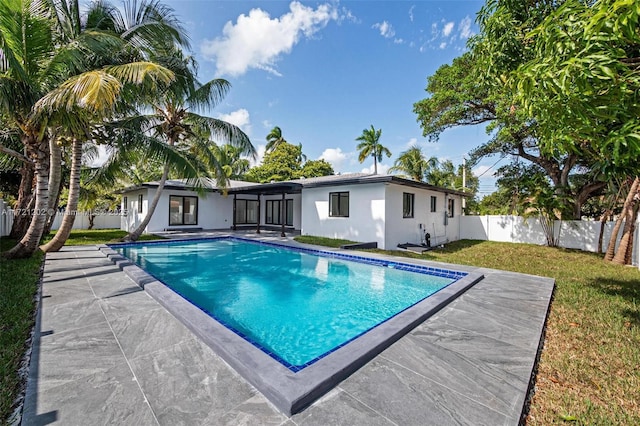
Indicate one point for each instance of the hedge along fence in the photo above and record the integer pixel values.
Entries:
(573, 234)
(102, 220)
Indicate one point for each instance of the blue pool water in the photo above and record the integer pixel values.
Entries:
(296, 305)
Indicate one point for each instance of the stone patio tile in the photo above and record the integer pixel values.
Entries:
(407, 398)
(126, 303)
(254, 411)
(110, 397)
(513, 359)
(483, 383)
(144, 332)
(188, 384)
(75, 354)
(337, 406)
(65, 292)
(60, 317)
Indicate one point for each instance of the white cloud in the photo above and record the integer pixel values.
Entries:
(336, 157)
(267, 124)
(258, 41)
(260, 149)
(481, 171)
(443, 45)
(448, 27)
(411, 12)
(412, 142)
(240, 118)
(385, 28)
(465, 28)
(382, 169)
(398, 41)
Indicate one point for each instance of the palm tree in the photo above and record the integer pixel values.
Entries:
(414, 164)
(44, 84)
(149, 31)
(175, 125)
(369, 146)
(229, 162)
(274, 138)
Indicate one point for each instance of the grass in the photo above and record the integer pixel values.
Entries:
(83, 237)
(18, 285)
(588, 372)
(322, 241)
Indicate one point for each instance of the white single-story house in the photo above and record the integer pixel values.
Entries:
(385, 209)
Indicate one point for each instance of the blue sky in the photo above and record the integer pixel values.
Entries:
(324, 71)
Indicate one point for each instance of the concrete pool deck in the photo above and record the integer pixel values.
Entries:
(105, 352)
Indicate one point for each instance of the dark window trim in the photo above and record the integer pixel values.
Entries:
(275, 206)
(245, 221)
(434, 203)
(183, 197)
(140, 203)
(125, 201)
(407, 213)
(451, 207)
(341, 196)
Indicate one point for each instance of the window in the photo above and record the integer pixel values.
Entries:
(339, 204)
(273, 212)
(450, 207)
(246, 212)
(139, 203)
(407, 204)
(125, 205)
(183, 210)
(433, 203)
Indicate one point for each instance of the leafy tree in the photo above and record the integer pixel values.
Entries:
(587, 55)
(316, 168)
(274, 139)
(370, 146)
(230, 162)
(473, 90)
(413, 164)
(285, 162)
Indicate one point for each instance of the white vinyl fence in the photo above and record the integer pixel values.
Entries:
(101, 221)
(573, 234)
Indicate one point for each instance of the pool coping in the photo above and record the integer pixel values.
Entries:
(292, 392)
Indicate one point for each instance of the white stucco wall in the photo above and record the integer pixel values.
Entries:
(412, 230)
(366, 213)
(214, 210)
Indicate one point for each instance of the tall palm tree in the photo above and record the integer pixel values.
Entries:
(414, 164)
(44, 83)
(144, 29)
(274, 138)
(175, 125)
(229, 162)
(370, 146)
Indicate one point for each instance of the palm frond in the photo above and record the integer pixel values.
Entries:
(221, 131)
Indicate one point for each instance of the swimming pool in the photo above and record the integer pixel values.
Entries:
(296, 306)
(257, 285)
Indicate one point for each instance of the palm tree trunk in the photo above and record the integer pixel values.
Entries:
(69, 217)
(134, 235)
(55, 178)
(29, 243)
(603, 220)
(628, 212)
(25, 202)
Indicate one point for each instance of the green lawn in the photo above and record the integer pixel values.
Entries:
(589, 370)
(18, 285)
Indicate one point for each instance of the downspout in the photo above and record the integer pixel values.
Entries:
(258, 225)
(282, 213)
(234, 227)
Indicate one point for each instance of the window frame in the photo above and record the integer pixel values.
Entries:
(183, 198)
(275, 208)
(408, 205)
(246, 210)
(433, 204)
(341, 195)
(140, 198)
(451, 207)
(125, 202)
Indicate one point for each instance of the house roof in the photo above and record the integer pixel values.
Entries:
(295, 186)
